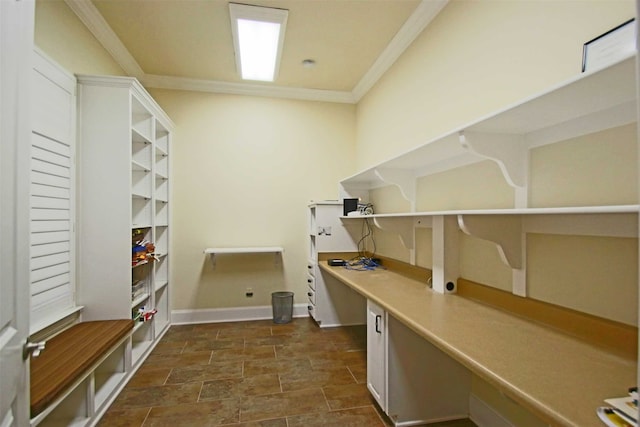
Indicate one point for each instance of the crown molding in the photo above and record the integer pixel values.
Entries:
(417, 22)
(197, 85)
(96, 24)
(130, 83)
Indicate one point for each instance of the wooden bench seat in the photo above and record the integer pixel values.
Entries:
(70, 354)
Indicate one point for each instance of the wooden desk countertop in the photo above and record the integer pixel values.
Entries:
(559, 378)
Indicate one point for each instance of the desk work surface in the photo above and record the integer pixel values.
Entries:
(557, 377)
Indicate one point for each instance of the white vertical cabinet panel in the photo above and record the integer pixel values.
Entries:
(52, 203)
(105, 205)
(376, 353)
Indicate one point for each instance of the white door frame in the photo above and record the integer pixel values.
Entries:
(16, 46)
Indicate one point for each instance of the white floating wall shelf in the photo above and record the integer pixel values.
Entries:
(212, 252)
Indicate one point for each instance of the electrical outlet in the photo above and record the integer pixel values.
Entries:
(249, 292)
(324, 231)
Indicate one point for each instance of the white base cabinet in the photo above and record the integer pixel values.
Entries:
(412, 380)
(377, 353)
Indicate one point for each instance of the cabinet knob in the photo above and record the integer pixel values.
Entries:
(378, 318)
(309, 294)
(309, 307)
(309, 280)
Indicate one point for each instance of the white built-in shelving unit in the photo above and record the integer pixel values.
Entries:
(330, 303)
(591, 102)
(124, 186)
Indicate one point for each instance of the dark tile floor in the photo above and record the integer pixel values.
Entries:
(252, 374)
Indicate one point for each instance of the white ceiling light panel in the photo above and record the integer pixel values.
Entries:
(258, 37)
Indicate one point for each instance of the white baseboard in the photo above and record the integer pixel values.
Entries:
(484, 415)
(233, 314)
(429, 421)
(335, 325)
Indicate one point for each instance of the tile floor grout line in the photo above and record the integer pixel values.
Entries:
(200, 391)
(145, 417)
(326, 401)
(352, 375)
(168, 376)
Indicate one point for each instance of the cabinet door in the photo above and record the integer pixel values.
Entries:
(376, 353)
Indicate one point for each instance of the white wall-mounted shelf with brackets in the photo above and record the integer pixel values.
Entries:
(588, 103)
(591, 102)
(506, 228)
(212, 252)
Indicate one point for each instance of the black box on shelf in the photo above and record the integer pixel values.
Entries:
(349, 205)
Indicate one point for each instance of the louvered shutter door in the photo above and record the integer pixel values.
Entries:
(52, 193)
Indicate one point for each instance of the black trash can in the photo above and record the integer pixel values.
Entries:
(282, 304)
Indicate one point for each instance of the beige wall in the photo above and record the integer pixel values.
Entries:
(475, 58)
(62, 36)
(244, 170)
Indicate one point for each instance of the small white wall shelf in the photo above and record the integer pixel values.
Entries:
(212, 252)
(507, 228)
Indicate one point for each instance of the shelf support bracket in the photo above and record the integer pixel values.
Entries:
(212, 257)
(403, 179)
(510, 153)
(403, 227)
(506, 231)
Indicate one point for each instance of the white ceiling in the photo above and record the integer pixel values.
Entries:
(186, 44)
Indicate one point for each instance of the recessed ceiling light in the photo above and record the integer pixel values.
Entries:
(258, 36)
